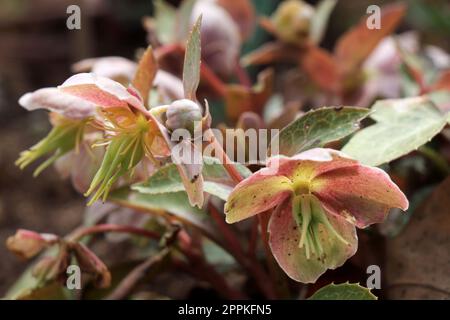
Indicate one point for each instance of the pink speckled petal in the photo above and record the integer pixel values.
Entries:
(284, 243)
(99, 90)
(256, 194)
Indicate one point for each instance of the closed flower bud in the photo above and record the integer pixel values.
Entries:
(292, 21)
(183, 114)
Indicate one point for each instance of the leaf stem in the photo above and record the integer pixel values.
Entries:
(101, 228)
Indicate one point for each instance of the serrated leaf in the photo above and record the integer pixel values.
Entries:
(318, 127)
(191, 67)
(320, 19)
(165, 15)
(343, 291)
(167, 179)
(174, 203)
(403, 125)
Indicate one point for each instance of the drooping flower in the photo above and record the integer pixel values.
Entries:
(319, 197)
(130, 130)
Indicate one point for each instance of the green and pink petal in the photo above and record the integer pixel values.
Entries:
(258, 193)
(360, 193)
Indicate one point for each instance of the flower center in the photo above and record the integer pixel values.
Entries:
(301, 187)
(312, 220)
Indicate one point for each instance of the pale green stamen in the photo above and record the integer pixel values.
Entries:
(310, 217)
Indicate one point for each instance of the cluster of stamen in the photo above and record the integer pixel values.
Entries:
(312, 220)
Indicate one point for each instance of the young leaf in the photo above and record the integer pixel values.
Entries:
(355, 46)
(167, 179)
(402, 126)
(320, 20)
(318, 127)
(343, 291)
(191, 68)
(145, 74)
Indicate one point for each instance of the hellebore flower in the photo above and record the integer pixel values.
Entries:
(320, 196)
(131, 131)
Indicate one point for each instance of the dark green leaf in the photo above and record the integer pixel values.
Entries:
(343, 291)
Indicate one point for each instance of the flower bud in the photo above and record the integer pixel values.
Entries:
(183, 113)
(292, 21)
(27, 244)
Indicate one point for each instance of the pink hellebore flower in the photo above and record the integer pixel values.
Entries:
(131, 130)
(320, 196)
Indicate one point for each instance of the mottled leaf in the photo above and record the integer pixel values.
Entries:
(402, 126)
(191, 68)
(343, 291)
(318, 127)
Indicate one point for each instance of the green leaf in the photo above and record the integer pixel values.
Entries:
(403, 125)
(167, 179)
(175, 203)
(191, 67)
(165, 15)
(320, 19)
(343, 291)
(184, 19)
(318, 127)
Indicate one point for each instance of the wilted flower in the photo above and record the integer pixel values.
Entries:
(320, 196)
